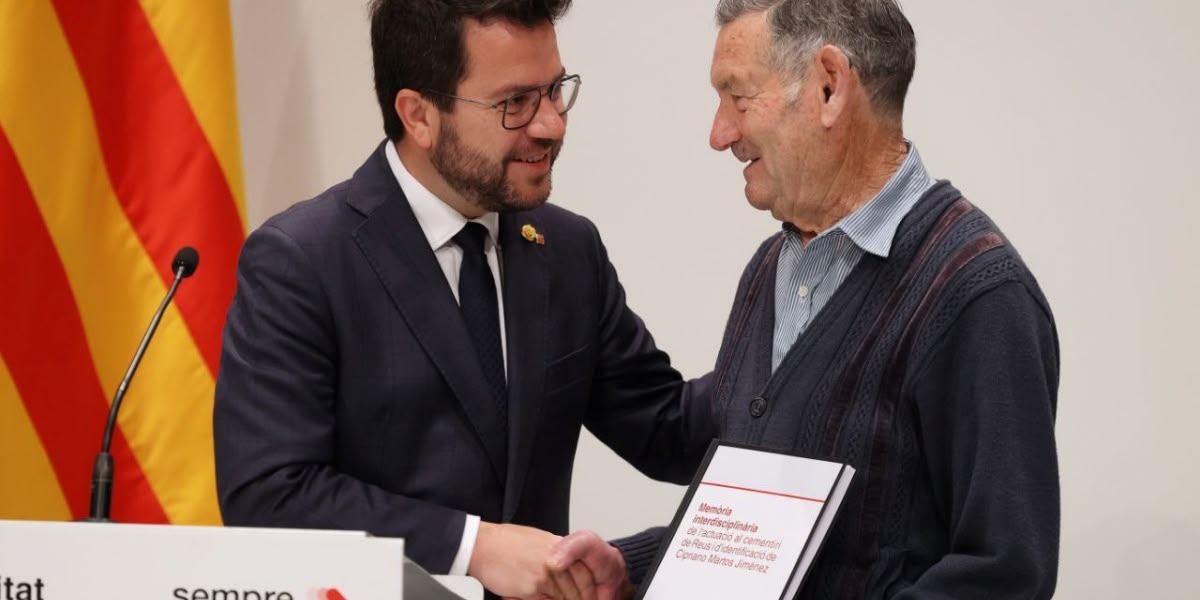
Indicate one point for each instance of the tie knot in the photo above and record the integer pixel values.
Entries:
(470, 237)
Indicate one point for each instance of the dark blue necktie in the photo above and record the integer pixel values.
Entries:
(481, 312)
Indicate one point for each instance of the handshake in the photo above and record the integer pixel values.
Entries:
(515, 561)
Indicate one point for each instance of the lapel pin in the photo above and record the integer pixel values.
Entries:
(531, 235)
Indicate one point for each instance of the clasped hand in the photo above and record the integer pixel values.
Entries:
(525, 563)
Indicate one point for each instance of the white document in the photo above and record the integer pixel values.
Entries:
(750, 526)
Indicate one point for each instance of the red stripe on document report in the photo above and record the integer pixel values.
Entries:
(768, 492)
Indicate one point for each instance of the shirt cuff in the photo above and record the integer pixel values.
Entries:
(463, 559)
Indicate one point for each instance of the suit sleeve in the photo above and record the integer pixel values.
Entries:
(987, 399)
(640, 406)
(274, 415)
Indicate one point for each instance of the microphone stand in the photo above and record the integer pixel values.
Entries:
(100, 508)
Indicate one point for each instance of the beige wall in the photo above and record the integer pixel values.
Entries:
(1073, 123)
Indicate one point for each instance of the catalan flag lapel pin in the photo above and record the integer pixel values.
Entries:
(530, 233)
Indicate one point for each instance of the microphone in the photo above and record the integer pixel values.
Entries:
(184, 264)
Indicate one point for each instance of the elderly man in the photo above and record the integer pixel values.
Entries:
(890, 324)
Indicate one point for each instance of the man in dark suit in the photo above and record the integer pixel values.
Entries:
(414, 351)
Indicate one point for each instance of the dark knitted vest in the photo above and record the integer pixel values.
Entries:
(839, 392)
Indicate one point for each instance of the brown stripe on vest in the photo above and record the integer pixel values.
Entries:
(885, 411)
(842, 397)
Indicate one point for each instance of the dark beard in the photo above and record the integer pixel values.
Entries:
(479, 180)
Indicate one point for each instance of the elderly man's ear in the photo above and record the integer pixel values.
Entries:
(837, 82)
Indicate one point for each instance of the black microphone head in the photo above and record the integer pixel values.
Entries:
(188, 259)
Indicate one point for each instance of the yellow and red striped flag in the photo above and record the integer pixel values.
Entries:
(118, 145)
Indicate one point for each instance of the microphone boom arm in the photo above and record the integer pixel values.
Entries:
(100, 507)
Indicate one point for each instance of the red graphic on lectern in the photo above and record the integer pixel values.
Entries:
(326, 594)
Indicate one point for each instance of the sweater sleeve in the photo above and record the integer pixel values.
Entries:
(639, 550)
(986, 399)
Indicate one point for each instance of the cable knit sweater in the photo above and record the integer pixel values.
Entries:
(933, 372)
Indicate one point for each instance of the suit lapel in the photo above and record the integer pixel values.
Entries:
(526, 304)
(392, 241)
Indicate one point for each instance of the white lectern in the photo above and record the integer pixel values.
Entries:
(48, 561)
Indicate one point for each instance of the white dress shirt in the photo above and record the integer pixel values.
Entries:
(441, 223)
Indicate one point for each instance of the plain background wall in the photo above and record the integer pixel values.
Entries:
(1072, 123)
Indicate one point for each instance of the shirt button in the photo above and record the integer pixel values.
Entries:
(758, 407)
(803, 291)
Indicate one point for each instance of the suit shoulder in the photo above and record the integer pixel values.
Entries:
(560, 218)
(561, 225)
(316, 218)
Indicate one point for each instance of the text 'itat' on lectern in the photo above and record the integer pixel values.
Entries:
(54, 561)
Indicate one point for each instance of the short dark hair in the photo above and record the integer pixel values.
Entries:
(874, 33)
(418, 44)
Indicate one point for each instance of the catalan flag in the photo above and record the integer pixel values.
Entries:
(118, 145)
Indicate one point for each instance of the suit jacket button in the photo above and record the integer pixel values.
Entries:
(758, 407)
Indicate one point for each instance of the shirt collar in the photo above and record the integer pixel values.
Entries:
(438, 220)
(873, 226)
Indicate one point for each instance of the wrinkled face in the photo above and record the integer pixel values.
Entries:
(498, 169)
(758, 120)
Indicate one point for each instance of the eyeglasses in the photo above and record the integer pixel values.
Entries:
(519, 109)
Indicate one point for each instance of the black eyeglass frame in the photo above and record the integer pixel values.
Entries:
(549, 90)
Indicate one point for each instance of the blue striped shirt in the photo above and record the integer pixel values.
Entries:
(809, 275)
